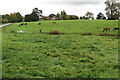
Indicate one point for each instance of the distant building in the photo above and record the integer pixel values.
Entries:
(54, 18)
(46, 18)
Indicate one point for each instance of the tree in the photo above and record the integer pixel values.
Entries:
(31, 17)
(100, 16)
(63, 15)
(0, 19)
(73, 17)
(5, 20)
(19, 16)
(89, 15)
(58, 16)
(67, 17)
(52, 15)
(27, 18)
(13, 17)
(38, 12)
(34, 16)
(112, 9)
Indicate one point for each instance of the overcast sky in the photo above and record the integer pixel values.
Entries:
(72, 7)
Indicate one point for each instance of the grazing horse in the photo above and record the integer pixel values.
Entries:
(116, 29)
(19, 25)
(54, 22)
(22, 24)
(106, 29)
(25, 24)
(39, 23)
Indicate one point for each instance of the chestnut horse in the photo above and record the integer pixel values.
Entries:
(54, 22)
(106, 29)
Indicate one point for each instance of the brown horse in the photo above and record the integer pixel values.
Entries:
(106, 29)
(54, 22)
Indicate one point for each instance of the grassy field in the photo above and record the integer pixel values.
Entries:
(70, 55)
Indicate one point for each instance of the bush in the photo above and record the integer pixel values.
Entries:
(5, 20)
(55, 32)
(86, 34)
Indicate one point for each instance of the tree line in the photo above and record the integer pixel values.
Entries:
(63, 16)
(112, 11)
(13, 17)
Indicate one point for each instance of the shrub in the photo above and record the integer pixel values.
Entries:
(86, 34)
(55, 32)
(5, 20)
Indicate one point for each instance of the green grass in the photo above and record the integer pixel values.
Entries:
(74, 26)
(39, 55)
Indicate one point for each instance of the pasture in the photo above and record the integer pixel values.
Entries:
(68, 55)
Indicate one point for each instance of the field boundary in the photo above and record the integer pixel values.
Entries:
(5, 25)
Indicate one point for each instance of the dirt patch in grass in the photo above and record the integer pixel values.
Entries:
(55, 32)
(102, 34)
(87, 33)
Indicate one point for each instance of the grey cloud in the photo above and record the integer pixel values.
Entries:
(74, 3)
(74, 0)
(83, 3)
